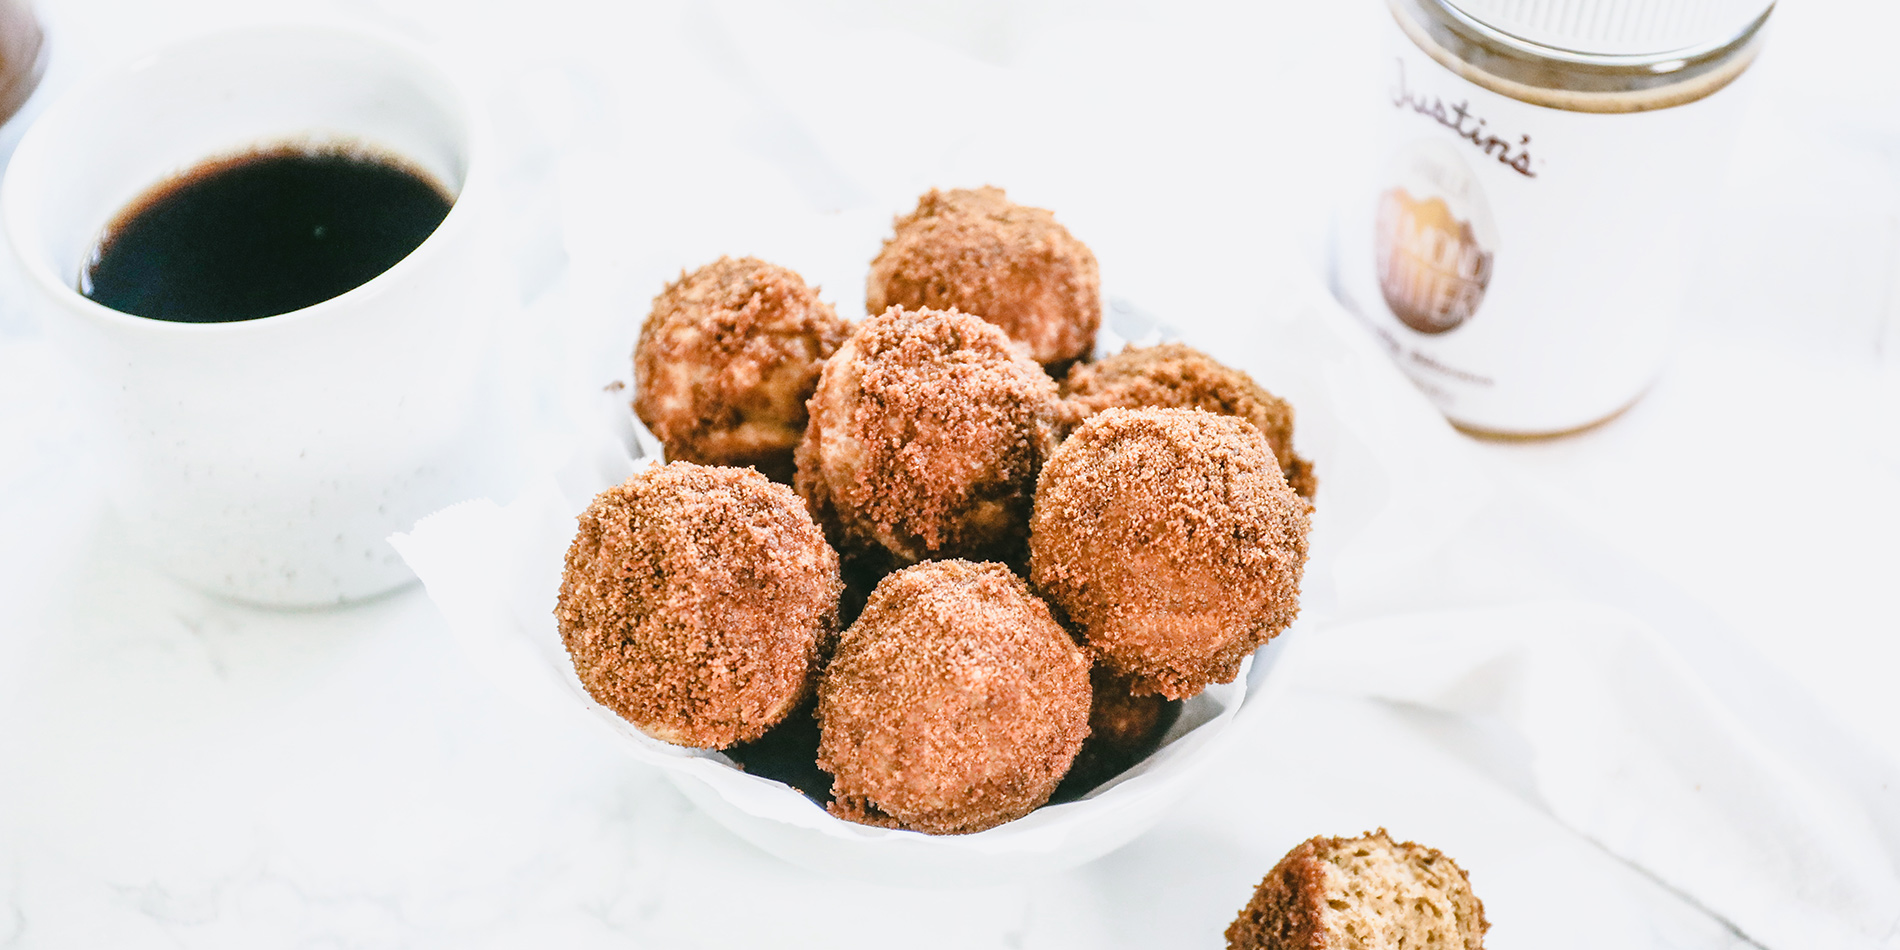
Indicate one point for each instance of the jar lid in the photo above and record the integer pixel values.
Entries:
(1617, 27)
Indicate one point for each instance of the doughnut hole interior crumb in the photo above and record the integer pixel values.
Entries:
(1366, 892)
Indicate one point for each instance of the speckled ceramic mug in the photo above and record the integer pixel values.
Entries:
(267, 460)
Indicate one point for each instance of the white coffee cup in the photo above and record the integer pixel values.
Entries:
(267, 460)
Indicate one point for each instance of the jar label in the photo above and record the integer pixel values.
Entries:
(1523, 263)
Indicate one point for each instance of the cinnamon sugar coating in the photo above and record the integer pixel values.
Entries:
(1170, 537)
(976, 251)
(726, 360)
(1123, 730)
(927, 430)
(955, 703)
(1177, 376)
(696, 602)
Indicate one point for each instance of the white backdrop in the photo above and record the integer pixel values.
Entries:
(175, 771)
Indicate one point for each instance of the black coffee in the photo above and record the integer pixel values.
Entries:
(261, 234)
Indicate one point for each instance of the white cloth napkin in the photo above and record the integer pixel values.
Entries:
(1623, 742)
(1614, 702)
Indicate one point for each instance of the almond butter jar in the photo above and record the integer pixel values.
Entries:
(1521, 249)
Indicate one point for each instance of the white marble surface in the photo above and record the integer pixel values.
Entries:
(176, 771)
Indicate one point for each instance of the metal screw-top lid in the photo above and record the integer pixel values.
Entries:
(1617, 27)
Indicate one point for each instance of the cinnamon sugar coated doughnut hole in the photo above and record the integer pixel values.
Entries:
(1170, 537)
(726, 360)
(927, 431)
(954, 704)
(696, 602)
(975, 250)
(1177, 376)
(1369, 892)
(1123, 730)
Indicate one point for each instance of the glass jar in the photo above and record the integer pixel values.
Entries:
(22, 55)
(1521, 252)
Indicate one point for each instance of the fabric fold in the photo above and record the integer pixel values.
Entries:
(1627, 746)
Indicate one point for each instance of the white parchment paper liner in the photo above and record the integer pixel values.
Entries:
(495, 571)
